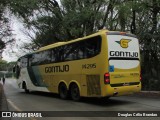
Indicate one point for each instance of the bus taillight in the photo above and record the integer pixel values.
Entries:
(140, 76)
(106, 78)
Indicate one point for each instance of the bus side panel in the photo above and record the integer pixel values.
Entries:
(90, 78)
(93, 77)
(54, 74)
(25, 77)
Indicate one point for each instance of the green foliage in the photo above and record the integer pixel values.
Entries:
(23, 8)
(6, 69)
(52, 22)
(5, 30)
(3, 62)
(7, 75)
(4, 66)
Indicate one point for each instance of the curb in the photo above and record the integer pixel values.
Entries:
(3, 101)
(154, 92)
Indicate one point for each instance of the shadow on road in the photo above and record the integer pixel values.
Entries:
(94, 101)
(104, 102)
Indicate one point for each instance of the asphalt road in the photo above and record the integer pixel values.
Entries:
(18, 100)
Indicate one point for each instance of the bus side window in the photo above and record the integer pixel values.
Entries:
(80, 50)
(45, 57)
(67, 52)
(58, 54)
(73, 51)
(30, 61)
(53, 55)
(92, 46)
(70, 52)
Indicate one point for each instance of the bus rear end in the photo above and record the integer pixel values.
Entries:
(123, 74)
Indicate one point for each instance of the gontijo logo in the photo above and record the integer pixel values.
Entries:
(123, 43)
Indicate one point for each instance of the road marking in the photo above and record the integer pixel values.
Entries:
(16, 108)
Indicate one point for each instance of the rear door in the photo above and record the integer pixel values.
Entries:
(124, 59)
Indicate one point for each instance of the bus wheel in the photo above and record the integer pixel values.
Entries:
(74, 91)
(63, 92)
(25, 88)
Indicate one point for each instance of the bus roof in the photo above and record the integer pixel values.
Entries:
(51, 45)
(71, 41)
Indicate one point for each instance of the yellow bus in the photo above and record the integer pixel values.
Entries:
(103, 64)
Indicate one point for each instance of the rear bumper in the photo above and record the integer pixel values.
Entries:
(123, 90)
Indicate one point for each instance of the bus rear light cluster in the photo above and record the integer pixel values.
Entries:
(106, 78)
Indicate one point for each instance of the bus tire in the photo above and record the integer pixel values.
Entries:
(74, 92)
(25, 88)
(63, 92)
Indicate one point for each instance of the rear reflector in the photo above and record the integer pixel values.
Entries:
(106, 78)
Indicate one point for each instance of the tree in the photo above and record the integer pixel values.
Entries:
(151, 43)
(3, 65)
(52, 22)
(5, 31)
